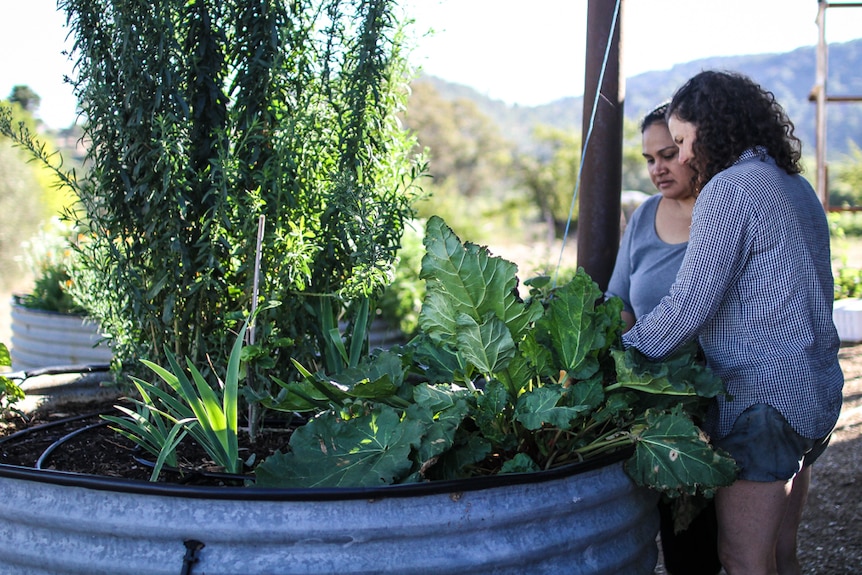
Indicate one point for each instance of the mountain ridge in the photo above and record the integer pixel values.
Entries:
(788, 75)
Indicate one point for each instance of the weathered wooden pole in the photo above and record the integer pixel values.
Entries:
(601, 169)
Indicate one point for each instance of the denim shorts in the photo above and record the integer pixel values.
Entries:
(766, 448)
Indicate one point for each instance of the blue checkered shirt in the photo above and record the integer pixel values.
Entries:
(756, 288)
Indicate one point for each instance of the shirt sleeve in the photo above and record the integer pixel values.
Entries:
(722, 231)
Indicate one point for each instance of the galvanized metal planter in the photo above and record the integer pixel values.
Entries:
(47, 339)
(590, 519)
(847, 316)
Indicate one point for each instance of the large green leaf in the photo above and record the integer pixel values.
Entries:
(488, 346)
(588, 393)
(521, 463)
(680, 374)
(466, 279)
(542, 406)
(458, 462)
(576, 331)
(539, 355)
(366, 451)
(440, 363)
(439, 397)
(519, 374)
(492, 411)
(441, 424)
(299, 396)
(673, 456)
(378, 379)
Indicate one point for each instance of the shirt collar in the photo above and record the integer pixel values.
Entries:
(758, 152)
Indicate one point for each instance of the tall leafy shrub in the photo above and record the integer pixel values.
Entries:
(204, 115)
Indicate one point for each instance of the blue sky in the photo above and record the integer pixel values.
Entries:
(519, 52)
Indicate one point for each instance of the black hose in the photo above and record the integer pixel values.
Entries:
(194, 474)
(49, 425)
(58, 370)
(50, 449)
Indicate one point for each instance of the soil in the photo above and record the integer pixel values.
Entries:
(830, 537)
(77, 439)
(830, 542)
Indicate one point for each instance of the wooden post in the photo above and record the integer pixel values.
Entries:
(601, 169)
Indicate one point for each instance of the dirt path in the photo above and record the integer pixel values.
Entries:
(830, 538)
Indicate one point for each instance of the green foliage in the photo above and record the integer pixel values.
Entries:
(848, 282)
(10, 392)
(208, 413)
(470, 165)
(845, 182)
(374, 450)
(507, 384)
(45, 197)
(551, 182)
(671, 452)
(148, 427)
(401, 301)
(847, 277)
(204, 116)
(635, 173)
(466, 149)
(845, 224)
(20, 191)
(51, 259)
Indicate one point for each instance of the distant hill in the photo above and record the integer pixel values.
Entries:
(790, 76)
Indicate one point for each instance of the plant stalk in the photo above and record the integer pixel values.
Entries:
(253, 406)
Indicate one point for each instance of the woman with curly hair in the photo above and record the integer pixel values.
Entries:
(755, 288)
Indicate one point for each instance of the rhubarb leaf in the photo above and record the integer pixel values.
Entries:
(576, 333)
(673, 456)
(466, 279)
(541, 406)
(366, 451)
(488, 346)
(680, 375)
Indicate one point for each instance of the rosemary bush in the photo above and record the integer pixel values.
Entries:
(203, 116)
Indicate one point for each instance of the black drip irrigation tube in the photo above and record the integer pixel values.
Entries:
(58, 370)
(191, 475)
(248, 493)
(51, 448)
(49, 425)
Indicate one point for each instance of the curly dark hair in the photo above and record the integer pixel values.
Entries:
(731, 114)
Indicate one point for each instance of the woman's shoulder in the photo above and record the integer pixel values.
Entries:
(755, 173)
(640, 226)
(647, 208)
(752, 163)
